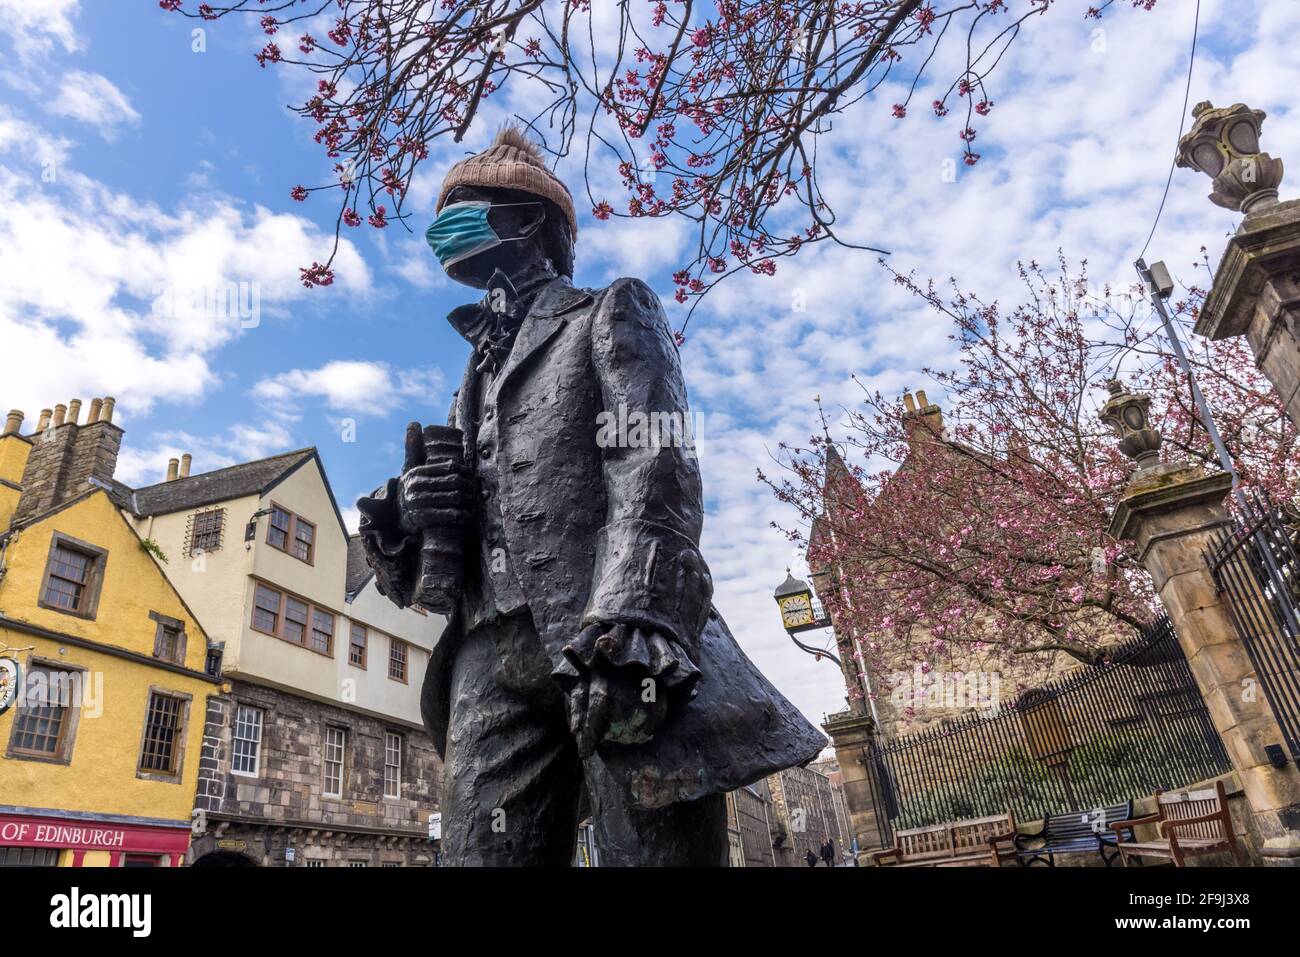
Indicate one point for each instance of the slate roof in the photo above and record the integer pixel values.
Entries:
(207, 488)
(358, 568)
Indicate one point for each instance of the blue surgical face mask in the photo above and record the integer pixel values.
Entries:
(462, 230)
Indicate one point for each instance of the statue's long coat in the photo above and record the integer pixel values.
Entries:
(608, 534)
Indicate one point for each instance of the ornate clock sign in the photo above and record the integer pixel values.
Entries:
(798, 613)
(10, 674)
(796, 610)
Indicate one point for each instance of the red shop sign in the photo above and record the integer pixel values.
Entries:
(33, 831)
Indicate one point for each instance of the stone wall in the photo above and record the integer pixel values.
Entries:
(284, 805)
(212, 776)
(803, 803)
(753, 815)
(961, 681)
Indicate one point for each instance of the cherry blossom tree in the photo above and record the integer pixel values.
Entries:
(714, 111)
(990, 531)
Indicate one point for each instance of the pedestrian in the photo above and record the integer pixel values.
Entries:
(828, 852)
(811, 858)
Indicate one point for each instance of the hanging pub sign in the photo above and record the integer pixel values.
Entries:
(10, 675)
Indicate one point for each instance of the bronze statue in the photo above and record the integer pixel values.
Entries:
(583, 662)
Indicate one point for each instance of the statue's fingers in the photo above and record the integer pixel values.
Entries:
(426, 500)
(597, 718)
(417, 486)
(431, 477)
(440, 516)
(441, 463)
(576, 703)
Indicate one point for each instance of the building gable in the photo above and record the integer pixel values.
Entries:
(132, 591)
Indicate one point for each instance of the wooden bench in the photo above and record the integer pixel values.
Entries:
(1190, 823)
(982, 841)
(1076, 831)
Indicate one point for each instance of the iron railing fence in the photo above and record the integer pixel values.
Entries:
(1256, 566)
(1098, 736)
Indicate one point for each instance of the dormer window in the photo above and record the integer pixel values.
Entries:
(292, 533)
(205, 529)
(169, 638)
(74, 573)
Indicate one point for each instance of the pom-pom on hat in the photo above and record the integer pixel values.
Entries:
(513, 161)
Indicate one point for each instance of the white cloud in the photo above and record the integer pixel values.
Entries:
(35, 26)
(106, 294)
(348, 385)
(92, 98)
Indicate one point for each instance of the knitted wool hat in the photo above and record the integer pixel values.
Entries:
(513, 161)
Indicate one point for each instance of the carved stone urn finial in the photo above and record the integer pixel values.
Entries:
(1128, 414)
(1224, 145)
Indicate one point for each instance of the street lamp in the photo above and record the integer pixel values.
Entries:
(798, 614)
(1130, 416)
(1224, 145)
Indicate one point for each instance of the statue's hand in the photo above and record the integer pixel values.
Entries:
(629, 680)
(432, 492)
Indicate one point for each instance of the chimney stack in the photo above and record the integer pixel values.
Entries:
(173, 468)
(13, 422)
(60, 466)
(923, 418)
(186, 459)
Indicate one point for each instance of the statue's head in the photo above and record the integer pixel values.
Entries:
(502, 208)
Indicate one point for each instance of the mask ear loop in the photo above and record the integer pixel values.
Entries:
(536, 226)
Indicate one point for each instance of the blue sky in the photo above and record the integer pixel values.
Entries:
(130, 163)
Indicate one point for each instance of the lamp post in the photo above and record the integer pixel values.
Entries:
(798, 614)
(1224, 145)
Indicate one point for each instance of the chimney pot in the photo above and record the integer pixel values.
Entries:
(173, 468)
(186, 459)
(13, 422)
(909, 402)
(93, 414)
(74, 411)
(43, 422)
(60, 411)
(923, 419)
(106, 410)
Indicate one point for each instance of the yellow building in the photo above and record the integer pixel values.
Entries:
(103, 730)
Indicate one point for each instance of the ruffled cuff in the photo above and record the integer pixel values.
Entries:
(647, 650)
(652, 576)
